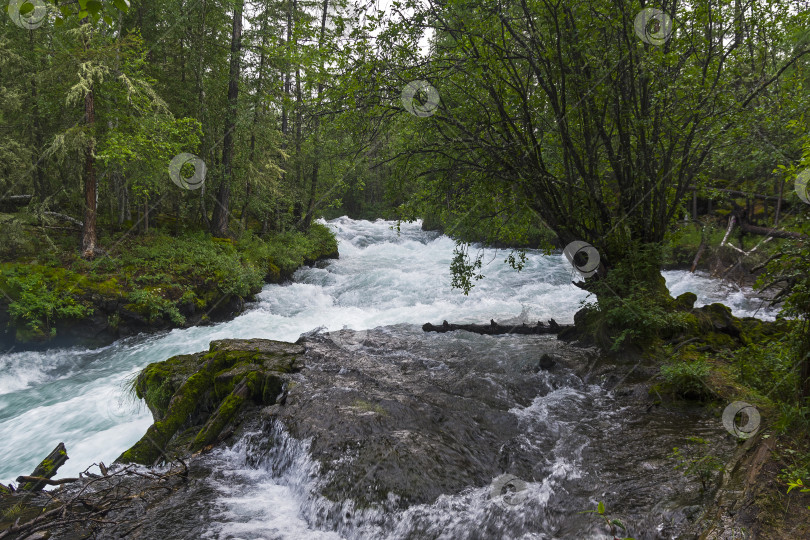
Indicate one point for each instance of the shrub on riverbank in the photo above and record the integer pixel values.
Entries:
(147, 282)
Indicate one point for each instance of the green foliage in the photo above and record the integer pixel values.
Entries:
(798, 484)
(160, 277)
(769, 366)
(280, 255)
(696, 463)
(633, 306)
(463, 269)
(154, 306)
(14, 242)
(613, 524)
(194, 261)
(688, 379)
(39, 298)
(793, 417)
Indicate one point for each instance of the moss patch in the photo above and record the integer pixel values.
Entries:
(152, 282)
(203, 392)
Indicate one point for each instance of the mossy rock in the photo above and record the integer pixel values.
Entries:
(686, 301)
(206, 390)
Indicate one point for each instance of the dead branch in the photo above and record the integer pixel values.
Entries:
(64, 217)
(46, 481)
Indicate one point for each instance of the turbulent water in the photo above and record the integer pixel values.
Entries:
(384, 278)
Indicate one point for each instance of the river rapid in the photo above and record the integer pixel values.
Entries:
(386, 284)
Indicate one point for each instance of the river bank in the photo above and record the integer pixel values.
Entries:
(578, 424)
(142, 284)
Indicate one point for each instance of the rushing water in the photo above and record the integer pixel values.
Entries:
(382, 278)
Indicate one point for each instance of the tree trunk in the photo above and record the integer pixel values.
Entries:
(291, 5)
(256, 111)
(694, 204)
(146, 215)
(778, 203)
(316, 153)
(765, 231)
(89, 235)
(219, 222)
(39, 182)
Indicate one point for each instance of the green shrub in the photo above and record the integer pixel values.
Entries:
(40, 300)
(688, 379)
(768, 367)
(150, 303)
(695, 462)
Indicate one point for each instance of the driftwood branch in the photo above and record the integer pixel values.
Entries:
(47, 481)
(494, 328)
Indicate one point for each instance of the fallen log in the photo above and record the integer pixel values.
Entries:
(494, 328)
(766, 231)
(64, 217)
(45, 470)
(13, 201)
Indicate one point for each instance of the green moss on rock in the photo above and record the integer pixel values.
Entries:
(208, 389)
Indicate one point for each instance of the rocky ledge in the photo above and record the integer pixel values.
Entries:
(395, 421)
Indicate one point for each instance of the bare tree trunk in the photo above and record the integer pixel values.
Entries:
(39, 183)
(219, 222)
(89, 235)
(316, 153)
(299, 99)
(256, 111)
(124, 212)
(778, 203)
(694, 204)
(146, 215)
(291, 6)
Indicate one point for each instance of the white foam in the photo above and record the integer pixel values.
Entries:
(382, 278)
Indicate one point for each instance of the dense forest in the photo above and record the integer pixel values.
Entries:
(171, 157)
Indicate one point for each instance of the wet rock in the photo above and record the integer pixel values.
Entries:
(195, 397)
(546, 362)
